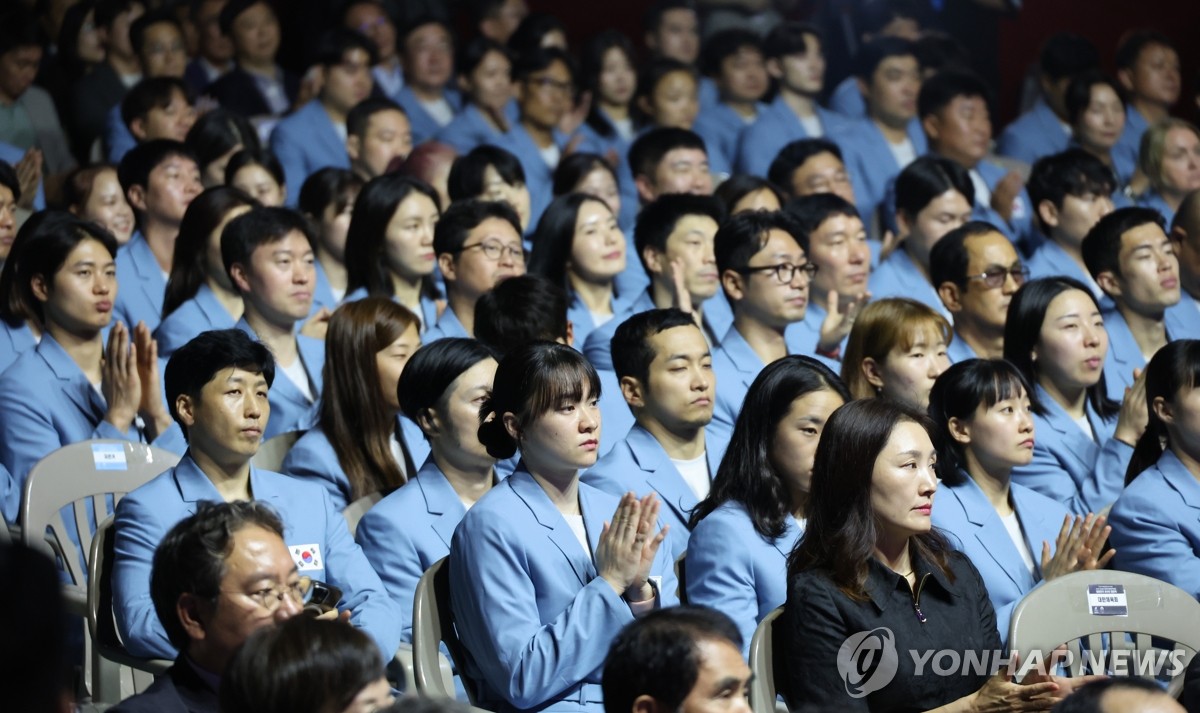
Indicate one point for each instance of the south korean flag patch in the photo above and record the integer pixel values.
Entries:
(307, 557)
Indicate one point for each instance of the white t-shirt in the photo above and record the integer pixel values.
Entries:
(600, 319)
(1013, 525)
(340, 128)
(983, 194)
(551, 155)
(580, 532)
(297, 375)
(695, 474)
(904, 152)
(623, 127)
(439, 109)
(812, 126)
(398, 454)
(1085, 425)
(338, 295)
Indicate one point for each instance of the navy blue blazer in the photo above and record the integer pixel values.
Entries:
(422, 123)
(1156, 525)
(290, 408)
(777, 126)
(639, 464)
(305, 142)
(528, 602)
(199, 314)
(1036, 133)
(312, 457)
(315, 533)
(140, 284)
(238, 92)
(179, 690)
(1083, 474)
(963, 512)
(735, 570)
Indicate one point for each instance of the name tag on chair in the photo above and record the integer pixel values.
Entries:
(307, 557)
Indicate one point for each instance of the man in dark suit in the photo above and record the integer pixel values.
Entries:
(218, 576)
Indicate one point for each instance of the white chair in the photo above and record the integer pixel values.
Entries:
(1139, 620)
(763, 690)
(433, 624)
(355, 510)
(271, 452)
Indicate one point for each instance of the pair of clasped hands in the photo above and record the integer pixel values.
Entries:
(628, 545)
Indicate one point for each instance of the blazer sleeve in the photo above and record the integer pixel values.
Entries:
(289, 149)
(138, 532)
(815, 630)
(720, 574)
(1092, 490)
(394, 556)
(1149, 540)
(371, 609)
(527, 655)
(312, 464)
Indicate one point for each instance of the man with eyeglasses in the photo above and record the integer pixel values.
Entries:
(1133, 260)
(478, 245)
(976, 271)
(544, 80)
(217, 386)
(218, 576)
(762, 259)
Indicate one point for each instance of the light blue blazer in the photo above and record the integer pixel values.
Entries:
(313, 458)
(118, 139)
(290, 408)
(315, 533)
(735, 570)
(716, 321)
(528, 602)
(776, 127)
(424, 126)
(1183, 319)
(199, 314)
(615, 147)
(1050, 260)
(721, 128)
(1156, 525)
(1124, 354)
(304, 143)
(975, 528)
(958, 350)
(847, 99)
(899, 276)
(1034, 134)
(1131, 137)
(539, 176)
(581, 318)
(323, 292)
(871, 164)
(639, 464)
(447, 326)
(46, 402)
(429, 308)
(1083, 474)
(1020, 228)
(616, 418)
(14, 341)
(407, 532)
(736, 366)
(140, 284)
(12, 155)
(470, 128)
(1151, 199)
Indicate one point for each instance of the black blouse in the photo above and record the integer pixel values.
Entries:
(937, 625)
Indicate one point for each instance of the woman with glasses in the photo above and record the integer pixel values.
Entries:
(389, 245)
(545, 570)
(983, 410)
(579, 246)
(1055, 335)
(896, 349)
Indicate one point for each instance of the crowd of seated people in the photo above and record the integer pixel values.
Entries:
(603, 323)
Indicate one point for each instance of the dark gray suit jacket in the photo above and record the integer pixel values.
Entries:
(179, 690)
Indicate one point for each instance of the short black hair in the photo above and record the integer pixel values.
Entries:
(466, 173)
(937, 50)
(190, 559)
(796, 154)
(359, 117)
(520, 310)
(464, 216)
(941, 89)
(219, 131)
(1066, 54)
(571, 170)
(434, 367)
(8, 179)
(631, 351)
(874, 16)
(654, 71)
(471, 55)
(654, 14)
(788, 38)
(539, 59)
(649, 149)
(725, 44)
(658, 655)
(657, 220)
(744, 234)
(733, 189)
(948, 258)
(255, 157)
(417, 23)
(196, 363)
(333, 45)
(1074, 172)
(876, 51)
(141, 160)
(151, 93)
(137, 29)
(233, 8)
(1131, 46)
(1101, 247)
(260, 226)
(108, 10)
(810, 212)
(927, 178)
(18, 28)
(1079, 92)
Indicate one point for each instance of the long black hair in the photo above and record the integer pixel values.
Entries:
(592, 66)
(1173, 368)
(189, 266)
(366, 239)
(746, 474)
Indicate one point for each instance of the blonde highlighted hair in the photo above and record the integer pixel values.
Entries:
(883, 326)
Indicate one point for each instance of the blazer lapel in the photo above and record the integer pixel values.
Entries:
(1078, 445)
(991, 532)
(440, 499)
(78, 389)
(661, 473)
(150, 278)
(556, 527)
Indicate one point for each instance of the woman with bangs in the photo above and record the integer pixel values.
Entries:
(490, 173)
(389, 246)
(896, 349)
(361, 446)
(1054, 334)
(327, 200)
(484, 68)
(1155, 526)
(982, 409)
(200, 295)
(545, 570)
